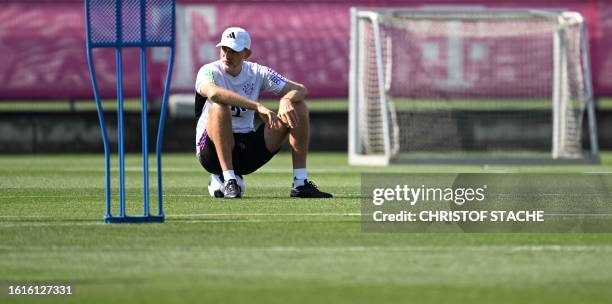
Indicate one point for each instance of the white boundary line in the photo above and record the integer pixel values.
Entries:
(190, 215)
(261, 214)
(196, 218)
(195, 169)
(197, 215)
(377, 248)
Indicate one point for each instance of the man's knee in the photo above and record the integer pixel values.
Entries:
(219, 110)
(274, 138)
(301, 108)
(219, 118)
(219, 126)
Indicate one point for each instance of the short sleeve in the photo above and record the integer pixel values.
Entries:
(272, 81)
(205, 75)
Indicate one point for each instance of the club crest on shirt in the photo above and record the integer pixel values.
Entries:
(248, 88)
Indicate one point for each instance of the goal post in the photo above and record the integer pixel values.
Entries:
(469, 86)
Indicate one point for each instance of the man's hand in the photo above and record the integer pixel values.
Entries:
(269, 117)
(287, 113)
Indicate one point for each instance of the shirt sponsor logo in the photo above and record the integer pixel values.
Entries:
(275, 77)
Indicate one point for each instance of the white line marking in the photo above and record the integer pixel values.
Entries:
(47, 196)
(261, 214)
(350, 195)
(375, 248)
(26, 216)
(598, 172)
(188, 215)
(195, 169)
(198, 215)
(101, 195)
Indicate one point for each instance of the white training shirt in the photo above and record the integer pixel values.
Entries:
(253, 78)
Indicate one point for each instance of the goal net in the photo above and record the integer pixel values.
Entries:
(476, 86)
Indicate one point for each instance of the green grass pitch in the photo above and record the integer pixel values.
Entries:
(267, 248)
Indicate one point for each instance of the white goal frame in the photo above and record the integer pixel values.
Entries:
(390, 155)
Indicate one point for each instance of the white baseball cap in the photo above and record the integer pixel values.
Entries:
(235, 38)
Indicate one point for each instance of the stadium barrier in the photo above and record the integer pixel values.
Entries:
(78, 132)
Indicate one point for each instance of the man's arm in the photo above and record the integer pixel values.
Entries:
(227, 97)
(223, 96)
(292, 92)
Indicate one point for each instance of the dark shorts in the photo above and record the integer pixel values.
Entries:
(249, 154)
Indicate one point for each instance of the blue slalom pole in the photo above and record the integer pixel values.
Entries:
(120, 133)
(145, 141)
(105, 30)
(144, 113)
(119, 59)
(102, 122)
(162, 118)
(160, 133)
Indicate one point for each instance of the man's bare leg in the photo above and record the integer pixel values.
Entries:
(299, 139)
(219, 129)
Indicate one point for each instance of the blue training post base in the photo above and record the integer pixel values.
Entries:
(134, 219)
(120, 24)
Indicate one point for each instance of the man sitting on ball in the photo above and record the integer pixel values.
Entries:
(227, 144)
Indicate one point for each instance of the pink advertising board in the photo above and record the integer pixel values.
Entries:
(42, 45)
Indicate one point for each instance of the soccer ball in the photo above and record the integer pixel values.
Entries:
(216, 185)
